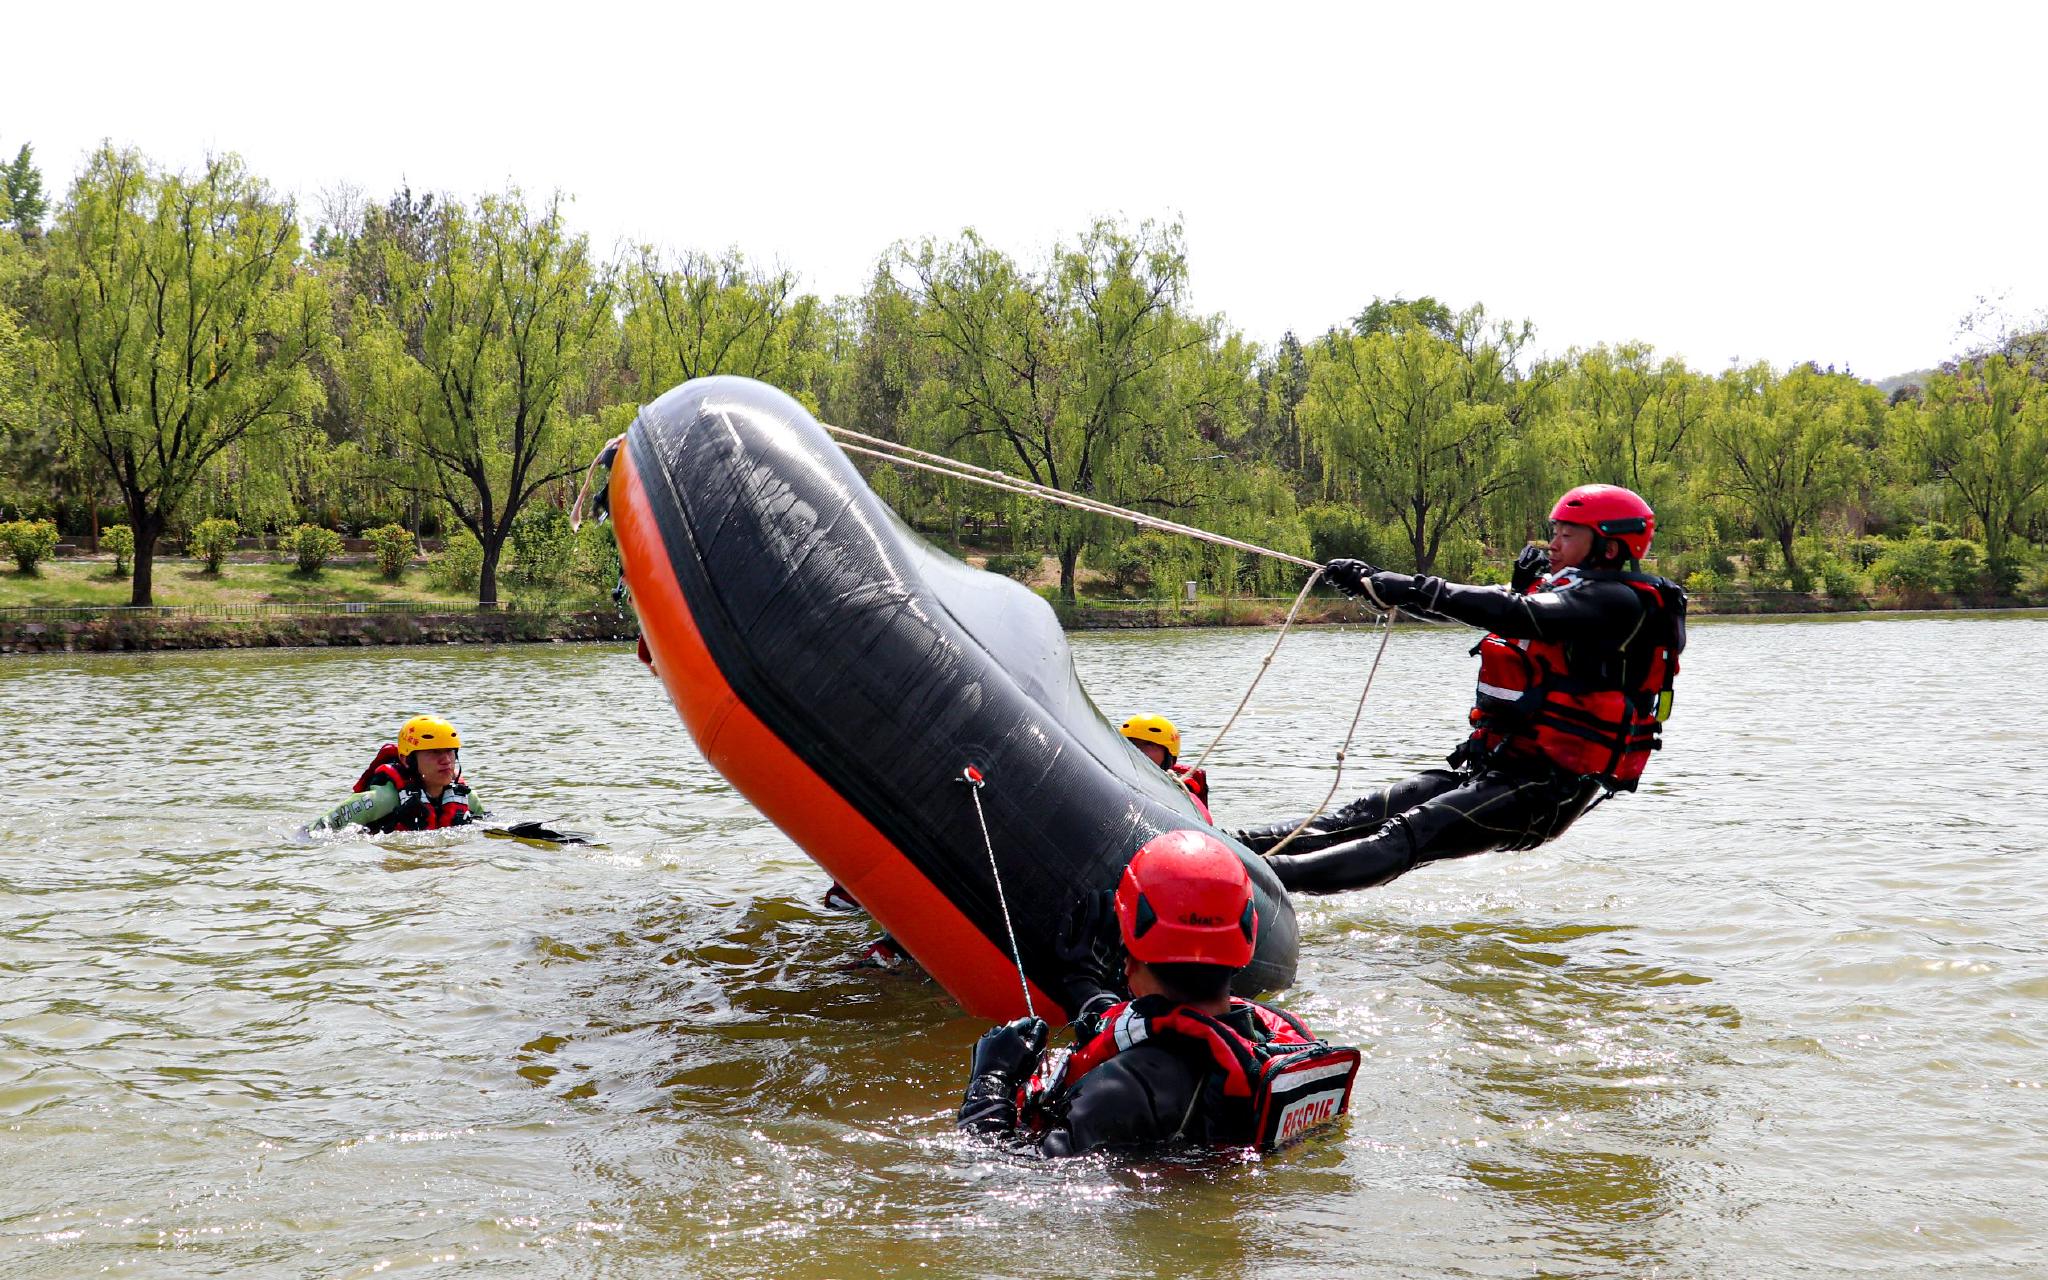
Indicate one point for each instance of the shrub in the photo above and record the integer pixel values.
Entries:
(543, 557)
(1965, 573)
(1915, 566)
(597, 553)
(211, 540)
(1836, 578)
(119, 539)
(394, 549)
(1863, 552)
(30, 542)
(461, 566)
(1336, 531)
(1021, 567)
(313, 546)
(1706, 582)
(1757, 552)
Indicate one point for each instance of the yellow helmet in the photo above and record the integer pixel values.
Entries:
(1146, 727)
(425, 733)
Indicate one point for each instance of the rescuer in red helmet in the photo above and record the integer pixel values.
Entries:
(1575, 678)
(1183, 1060)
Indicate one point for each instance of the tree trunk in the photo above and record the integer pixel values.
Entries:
(487, 577)
(1785, 545)
(147, 530)
(1070, 558)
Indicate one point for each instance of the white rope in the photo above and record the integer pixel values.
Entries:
(972, 778)
(890, 451)
(1271, 653)
(939, 464)
(1386, 633)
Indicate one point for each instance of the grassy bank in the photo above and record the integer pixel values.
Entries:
(84, 581)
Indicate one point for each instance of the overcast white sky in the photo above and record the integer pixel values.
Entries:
(1834, 182)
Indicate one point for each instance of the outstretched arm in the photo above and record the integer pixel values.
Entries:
(361, 809)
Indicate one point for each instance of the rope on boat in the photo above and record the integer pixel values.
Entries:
(1386, 634)
(891, 451)
(972, 777)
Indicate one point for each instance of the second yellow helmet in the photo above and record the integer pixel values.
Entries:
(425, 733)
(1146, 727)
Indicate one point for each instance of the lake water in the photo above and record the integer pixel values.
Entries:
(1782, 1013)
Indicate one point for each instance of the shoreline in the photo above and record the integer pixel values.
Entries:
(113, 633)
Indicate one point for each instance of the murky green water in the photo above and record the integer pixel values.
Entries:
(1783, 1013)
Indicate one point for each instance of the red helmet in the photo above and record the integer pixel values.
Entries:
(1187, 899)
(1614, 512)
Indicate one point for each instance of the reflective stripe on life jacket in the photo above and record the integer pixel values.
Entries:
(415, 812)
(1272, 1089)
(1588, 709)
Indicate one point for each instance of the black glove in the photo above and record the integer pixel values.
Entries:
(1532, 564)
(1010, 1052)
(1091, 952)
(1348, 576)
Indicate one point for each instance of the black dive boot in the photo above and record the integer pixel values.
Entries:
(1353, 864)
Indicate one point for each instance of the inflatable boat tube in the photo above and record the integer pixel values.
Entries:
(843, 674)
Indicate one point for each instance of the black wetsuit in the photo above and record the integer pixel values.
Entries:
(1159, 1093)
(1496, 801)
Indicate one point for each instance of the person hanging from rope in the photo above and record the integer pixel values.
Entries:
(1158, 740)
(1575, 681)
(1183, 1061)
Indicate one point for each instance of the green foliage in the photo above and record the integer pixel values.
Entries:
(1419, 426)
(1914, 566)
(460, 562)
(312, 546)
(22, 202)
(483, 352)
(543, 558)
(1756, 552)
(394, 546)
(1984, 432)
(704, 315)
(1706, 582)
(1787, 447)
(182, 324)
(1020, 567)
(211, 540)
(1342, 531)
(118, 539)
(1964, 570)
(30, 542)
(597, 553)
(1837, 579)
(1085, 375)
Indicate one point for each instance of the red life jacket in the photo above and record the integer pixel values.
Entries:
(415, 812)
(1196, 783)
(1592, 710)
(1274, 1088)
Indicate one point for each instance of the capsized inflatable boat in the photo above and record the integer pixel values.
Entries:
(845, 675)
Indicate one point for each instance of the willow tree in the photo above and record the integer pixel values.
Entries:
(1788, 447)
(1624, 417)
(182, 322)
(701, 315)
(484, 348)
(1086, 375)
(1419, 427)
(1983, 430)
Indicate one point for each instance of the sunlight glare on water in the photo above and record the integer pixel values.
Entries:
(1783, 1012)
